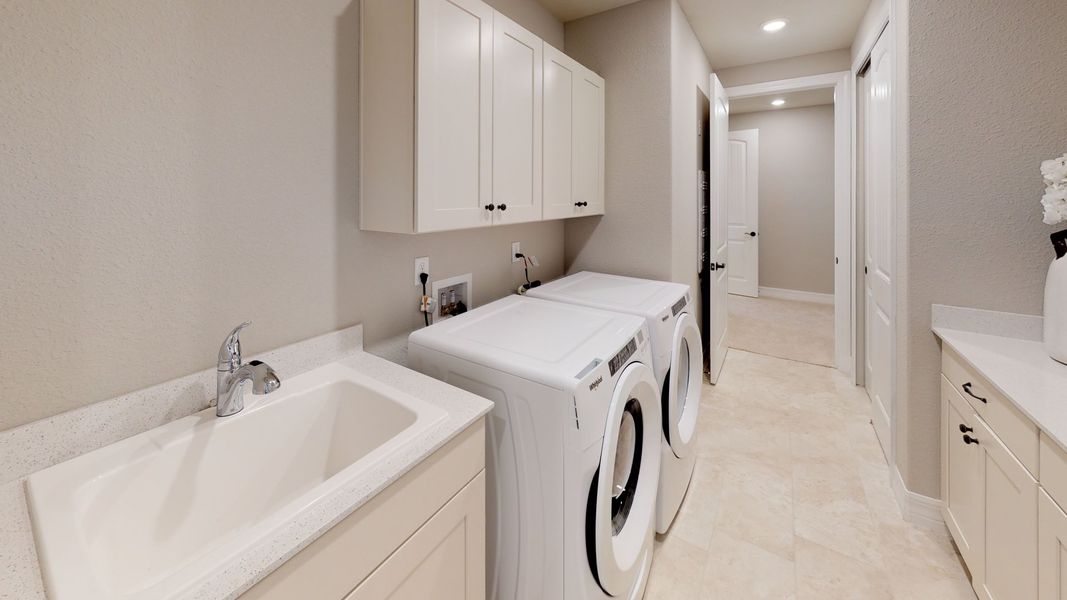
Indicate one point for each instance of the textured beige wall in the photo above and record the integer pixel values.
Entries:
(796, 196)
(786, 68)
(988, 90)
(690, 77)
(172, 168)
(630, 48)
(654, 67)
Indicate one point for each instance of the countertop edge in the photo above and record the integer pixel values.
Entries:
(951, 337)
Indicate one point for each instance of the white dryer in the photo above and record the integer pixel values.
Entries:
(572, 459)
(677, 358)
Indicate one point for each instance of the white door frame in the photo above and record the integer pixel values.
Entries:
(751, 139)
(844, 199)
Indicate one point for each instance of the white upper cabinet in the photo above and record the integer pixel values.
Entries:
(573, 138)
(517, 97)
(454, 121)
(454, 153)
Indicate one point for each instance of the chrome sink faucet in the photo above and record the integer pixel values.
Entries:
(232, 375)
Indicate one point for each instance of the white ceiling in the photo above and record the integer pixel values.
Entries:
(730, 30)
(792, 100)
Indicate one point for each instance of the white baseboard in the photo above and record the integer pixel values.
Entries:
(917, 509)
(784, 294)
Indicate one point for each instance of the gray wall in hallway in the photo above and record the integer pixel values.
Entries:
(796, 196)
(171, 169)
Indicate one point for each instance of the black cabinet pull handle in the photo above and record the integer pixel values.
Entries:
(502, 206)
(965, 429)
(489, 207)
(581, 204)
(967, 388)
(970, 440)
(752, 234)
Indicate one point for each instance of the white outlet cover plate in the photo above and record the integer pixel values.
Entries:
(422, 265)
(516, 248)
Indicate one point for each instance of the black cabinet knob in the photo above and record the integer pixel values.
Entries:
(489, 207)
(968, 439)
(752, 234)
(580, 204)
(965, 429)
(502, 206)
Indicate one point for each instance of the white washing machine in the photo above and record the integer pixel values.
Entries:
(677, 359)
(572, 459)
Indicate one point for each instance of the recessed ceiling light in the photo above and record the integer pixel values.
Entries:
(777, 102)
(773, 25)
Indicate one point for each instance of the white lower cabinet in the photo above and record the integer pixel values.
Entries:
(1009, 496)
(1051, 549)
(990, 497)
(421, 537)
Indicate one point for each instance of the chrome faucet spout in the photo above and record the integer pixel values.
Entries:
(232, 375)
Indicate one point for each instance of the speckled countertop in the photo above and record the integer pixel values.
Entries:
(1021, 371)
(20, 577)
(1006, 348)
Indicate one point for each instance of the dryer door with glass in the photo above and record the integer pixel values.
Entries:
(620, 513)
(681, 386)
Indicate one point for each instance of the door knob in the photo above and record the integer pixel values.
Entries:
(502, 206)
(489, 207)
(965, 429)
(752, 234)
(969, 440)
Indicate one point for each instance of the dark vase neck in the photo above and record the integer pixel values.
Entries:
(1059, 243)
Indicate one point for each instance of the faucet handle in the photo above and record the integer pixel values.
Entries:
(230, 351)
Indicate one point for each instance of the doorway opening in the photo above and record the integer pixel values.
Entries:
(789, 215)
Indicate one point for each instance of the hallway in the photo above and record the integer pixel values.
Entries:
(791, 499)
(802, 331)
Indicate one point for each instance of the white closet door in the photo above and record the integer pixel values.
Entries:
(742, 207)
(517, 81)
(455, 119)
(589, 143)
(560, 73)
(720, 126)
(879, 246)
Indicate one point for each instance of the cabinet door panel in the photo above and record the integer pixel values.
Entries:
(1010, 523)
(1052, 549)
(961, 477)
(455, 71)
(561, 74)
(444, 559)
(517, 97)
(589, 143)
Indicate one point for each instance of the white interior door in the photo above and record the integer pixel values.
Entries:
(720, 127)
(879, 246)
(455, 119)
(517, 137)
(742, 208)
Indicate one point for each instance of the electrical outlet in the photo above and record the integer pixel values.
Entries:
(516, 248)
(422, 265)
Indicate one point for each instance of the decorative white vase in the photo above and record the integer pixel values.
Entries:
(1056, 301)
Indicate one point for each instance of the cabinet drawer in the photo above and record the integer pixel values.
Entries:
(1053, 470)
(1017, 432)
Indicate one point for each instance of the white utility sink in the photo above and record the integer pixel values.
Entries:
(155, 514)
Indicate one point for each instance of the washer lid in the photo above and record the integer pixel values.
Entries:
(630, 295)
(548, 342)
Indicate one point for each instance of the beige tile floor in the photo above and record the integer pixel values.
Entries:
(801, 331)
(791, 499)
